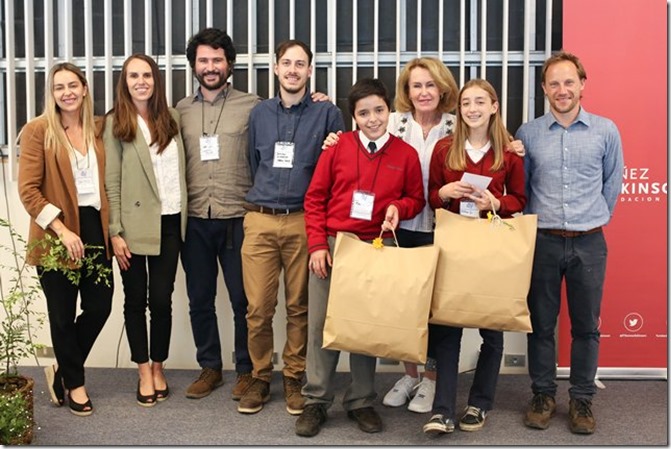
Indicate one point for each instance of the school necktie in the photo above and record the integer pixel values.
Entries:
(372, 147)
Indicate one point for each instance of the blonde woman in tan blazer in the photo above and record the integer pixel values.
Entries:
(146, 187)
(61, 185)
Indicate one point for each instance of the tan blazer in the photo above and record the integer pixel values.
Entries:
(132, 191)
(45, 177)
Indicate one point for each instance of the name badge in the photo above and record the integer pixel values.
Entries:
(209, 148)
(284, 155)
(362, 205)
(84, 181)
(468, 209)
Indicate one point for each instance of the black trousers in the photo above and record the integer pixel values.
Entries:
(150, 281)
(73, 335)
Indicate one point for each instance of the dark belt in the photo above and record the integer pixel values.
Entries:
(570, 234)
(270, 210)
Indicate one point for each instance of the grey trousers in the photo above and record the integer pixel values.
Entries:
(322, 363)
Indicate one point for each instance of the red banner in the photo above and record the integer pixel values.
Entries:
(623, 46)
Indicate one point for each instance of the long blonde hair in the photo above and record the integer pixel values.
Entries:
(498, 135)
(54, 135)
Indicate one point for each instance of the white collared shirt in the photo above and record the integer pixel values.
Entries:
(476, 154)
(166, 171)
(379, 143)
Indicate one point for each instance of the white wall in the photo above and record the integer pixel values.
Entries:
(111, 348)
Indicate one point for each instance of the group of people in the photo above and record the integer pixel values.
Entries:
(262, 187)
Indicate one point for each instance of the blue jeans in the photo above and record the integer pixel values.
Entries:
(581, 261)
(446, 343)
(207, 242)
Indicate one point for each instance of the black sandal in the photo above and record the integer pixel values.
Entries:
(55, 385)
(78, 409)
(145, 400)
(162, 395)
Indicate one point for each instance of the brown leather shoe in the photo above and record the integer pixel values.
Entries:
(542, 408)
(292, 396)
(367, 418)
(581, 417)
(242, 384)
(256, 395)
(208, 380)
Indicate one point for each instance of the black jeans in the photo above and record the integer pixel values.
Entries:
(150, 281)
(73, 336)
(414, 239)
(581, 261)
(208, 242)
(446, 342)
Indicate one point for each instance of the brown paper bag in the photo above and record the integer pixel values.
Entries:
(484, 271)
(379, 299)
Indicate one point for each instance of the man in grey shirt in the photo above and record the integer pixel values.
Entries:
(214, 128)
(573, 168)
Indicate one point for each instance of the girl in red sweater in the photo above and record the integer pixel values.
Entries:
(478, 147)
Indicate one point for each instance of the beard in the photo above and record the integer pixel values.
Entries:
(212, 86)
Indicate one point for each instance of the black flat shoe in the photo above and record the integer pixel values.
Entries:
(162, 395)
(145, 401)
(78, 409)
(55, 385)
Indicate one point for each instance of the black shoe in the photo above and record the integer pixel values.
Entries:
(162, 395)
(310, 422)
(78, 409)
(367, 418)
(55, 385)
(145, 400)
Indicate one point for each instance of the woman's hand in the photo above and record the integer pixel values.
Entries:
(331, 140)
(319, 261)
(73, 243)
(390, 219)
(121, 252)
(319, 96)
(516, 146)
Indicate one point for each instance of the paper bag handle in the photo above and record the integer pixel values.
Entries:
(496, 218)
(394, 234)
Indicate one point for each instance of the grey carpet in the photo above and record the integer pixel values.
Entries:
(628, 412)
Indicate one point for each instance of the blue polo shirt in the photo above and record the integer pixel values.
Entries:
(306, 124)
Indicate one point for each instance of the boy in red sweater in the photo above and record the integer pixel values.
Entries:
(367, 180)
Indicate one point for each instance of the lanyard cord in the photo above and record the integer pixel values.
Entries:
(74, 152)
(277, 117)
(202, 114)
(358, 174)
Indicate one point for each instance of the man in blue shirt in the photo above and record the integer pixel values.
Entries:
(574, 168)
(285, 139)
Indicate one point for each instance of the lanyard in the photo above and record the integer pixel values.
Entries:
(277, 117)
(358, 173)
(74, 152)
(202, 115)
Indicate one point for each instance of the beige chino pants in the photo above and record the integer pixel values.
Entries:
(274, 243)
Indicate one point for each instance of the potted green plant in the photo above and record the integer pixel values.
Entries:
(20, 290)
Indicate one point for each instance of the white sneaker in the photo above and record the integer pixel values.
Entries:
(401, 391)
(423, 400)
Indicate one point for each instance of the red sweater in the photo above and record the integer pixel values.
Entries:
(329, 198)
(510, 176)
